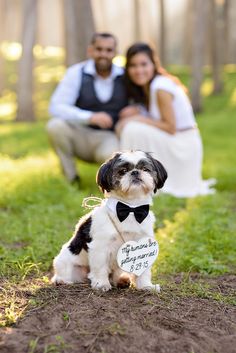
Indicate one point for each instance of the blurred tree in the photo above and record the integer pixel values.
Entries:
(25, 110)
(227, 25)
(162, 46)
(217, 43)
(2, 38)
(200, 10)
(2, 76)
(79, 27)
(137, 28)
(187, 34)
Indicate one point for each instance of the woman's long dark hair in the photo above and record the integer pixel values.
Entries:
(135, 92)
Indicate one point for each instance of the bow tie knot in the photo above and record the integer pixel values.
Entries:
(123, 210)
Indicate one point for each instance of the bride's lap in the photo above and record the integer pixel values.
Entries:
(181, 154)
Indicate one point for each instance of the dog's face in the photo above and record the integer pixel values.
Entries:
(131, 173)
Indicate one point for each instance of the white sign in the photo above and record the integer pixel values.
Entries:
(136, 257)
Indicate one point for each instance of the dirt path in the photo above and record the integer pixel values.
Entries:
(77, 319)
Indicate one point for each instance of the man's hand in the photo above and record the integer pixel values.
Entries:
(129, 111)
(102, 119)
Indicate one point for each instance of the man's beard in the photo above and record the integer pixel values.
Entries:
(103, 66)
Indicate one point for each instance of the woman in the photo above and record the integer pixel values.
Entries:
(168, 129)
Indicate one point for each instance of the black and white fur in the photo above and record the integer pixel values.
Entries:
(132, 178)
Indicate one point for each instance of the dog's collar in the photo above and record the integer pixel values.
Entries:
(112, 202)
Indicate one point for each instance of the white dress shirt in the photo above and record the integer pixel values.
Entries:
(62, 104)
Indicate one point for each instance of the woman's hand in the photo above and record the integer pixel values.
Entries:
(122, 123)
(129, 111)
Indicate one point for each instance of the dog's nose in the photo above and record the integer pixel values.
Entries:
(135, 173)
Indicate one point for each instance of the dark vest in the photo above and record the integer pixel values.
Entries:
(88, 100)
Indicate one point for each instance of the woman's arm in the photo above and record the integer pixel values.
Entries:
(167, 121)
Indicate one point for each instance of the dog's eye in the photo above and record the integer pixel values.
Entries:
(123, 171)
(145, 169)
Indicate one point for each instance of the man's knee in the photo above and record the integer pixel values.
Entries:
(56, 127)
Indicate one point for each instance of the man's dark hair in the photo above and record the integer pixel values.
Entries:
(102, 35)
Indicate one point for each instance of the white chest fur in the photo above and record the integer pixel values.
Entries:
(109, 233)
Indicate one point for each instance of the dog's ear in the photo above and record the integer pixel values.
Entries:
(161, 173)
(105, 173)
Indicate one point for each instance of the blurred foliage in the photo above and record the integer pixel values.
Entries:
(49, 70)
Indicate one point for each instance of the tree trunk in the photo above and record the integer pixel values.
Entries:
(137, 29)
(2, 38)
(226, 30)
(162, 46)
(198, 44)
(2, 76)
(25, 83)
(79, 27)
(187, 35)
(218, 49)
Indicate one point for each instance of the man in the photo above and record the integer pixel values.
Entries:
(85, 107)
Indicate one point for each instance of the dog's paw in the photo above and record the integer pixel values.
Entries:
(104, 287)
(156, 288)
(58, 280)
(152, 287)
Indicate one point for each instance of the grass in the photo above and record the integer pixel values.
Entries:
(39, 209)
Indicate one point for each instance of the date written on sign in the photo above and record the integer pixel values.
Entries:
(136, 257)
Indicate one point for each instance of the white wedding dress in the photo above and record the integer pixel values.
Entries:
(181, 153)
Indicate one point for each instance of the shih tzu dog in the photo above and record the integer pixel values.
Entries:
(128, 181)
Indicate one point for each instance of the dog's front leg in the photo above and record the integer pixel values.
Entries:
(144, 281)
(99, 266)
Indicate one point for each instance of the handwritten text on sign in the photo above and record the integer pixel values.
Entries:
(136, 257)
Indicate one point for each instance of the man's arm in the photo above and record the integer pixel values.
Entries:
(64, 97)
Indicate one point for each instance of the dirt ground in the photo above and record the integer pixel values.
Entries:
(78, 319)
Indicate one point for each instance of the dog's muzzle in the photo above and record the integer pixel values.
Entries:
(135, 177)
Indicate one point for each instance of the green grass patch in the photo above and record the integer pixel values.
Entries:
(200, 238)
(39, 209)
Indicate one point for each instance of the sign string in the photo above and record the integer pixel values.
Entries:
(95, 199)
(115, 226)
(98, 202)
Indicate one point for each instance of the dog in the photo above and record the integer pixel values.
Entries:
(126, 179)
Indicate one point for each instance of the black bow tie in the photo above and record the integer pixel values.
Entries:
(123, 210)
